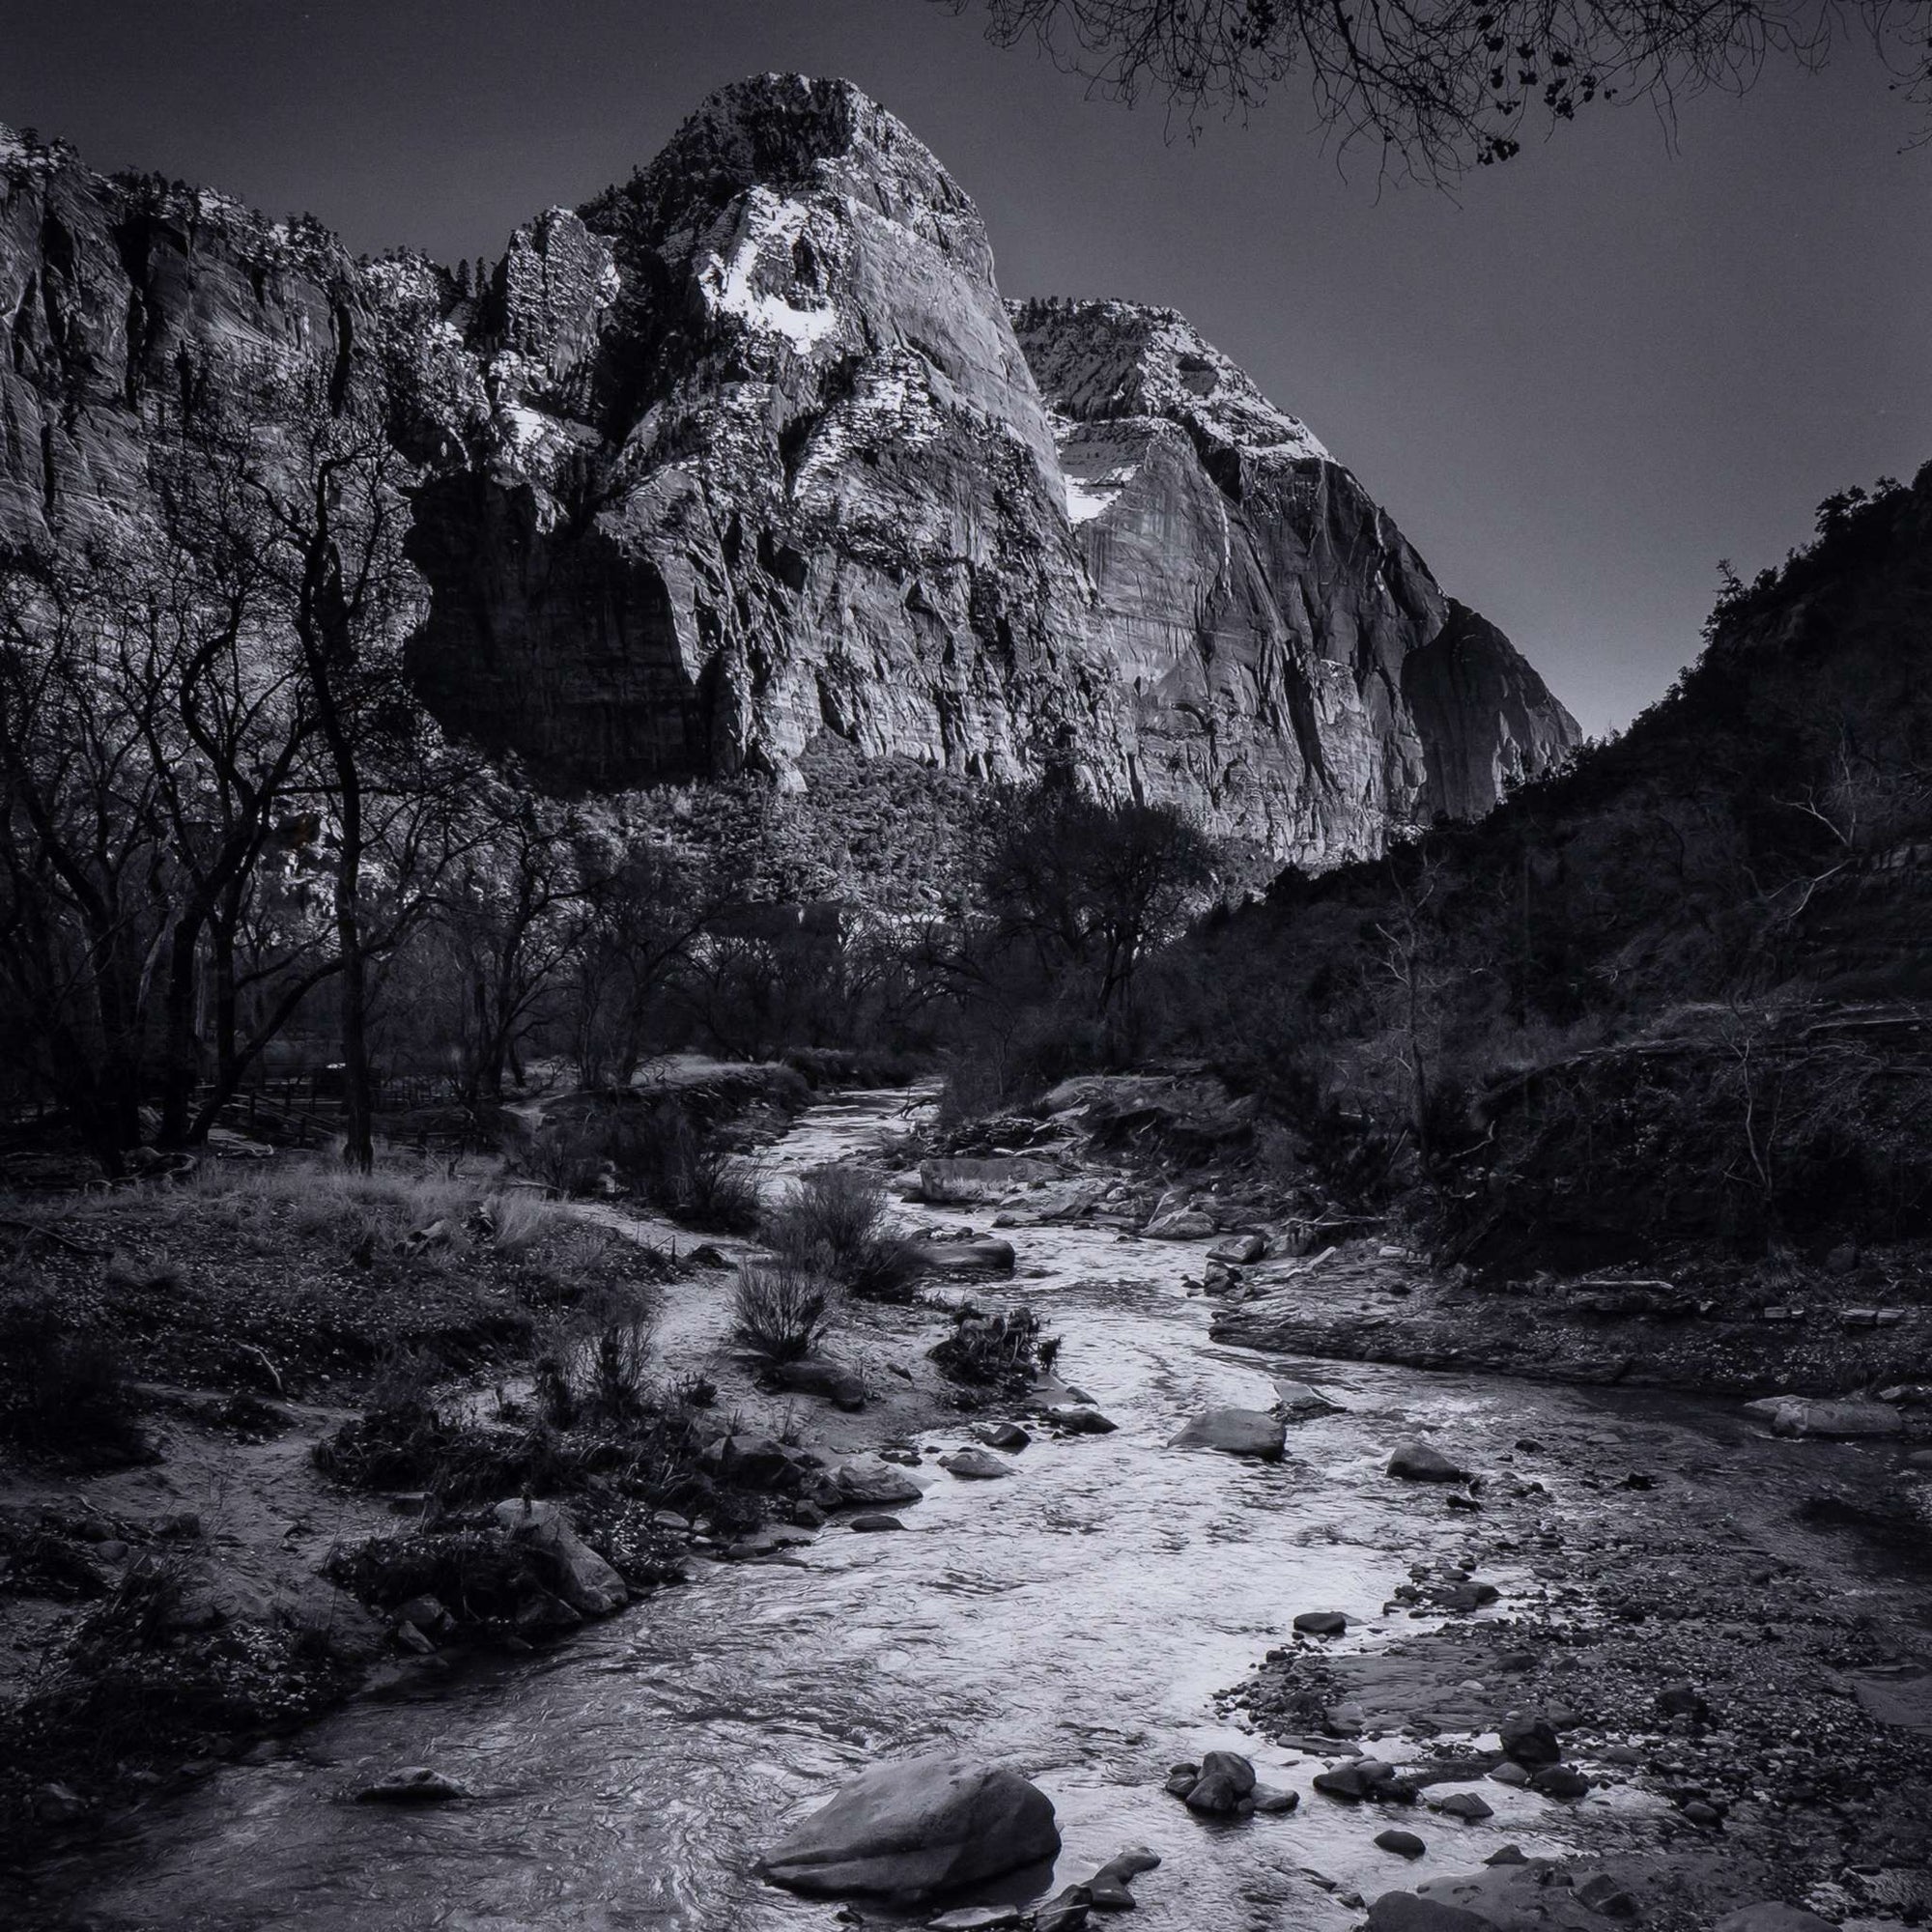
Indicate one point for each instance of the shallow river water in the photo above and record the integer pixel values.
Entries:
(1073, 1622)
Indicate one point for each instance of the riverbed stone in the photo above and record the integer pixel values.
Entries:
(1419, 1461)
(873, 1481)
(1080, 1420)
(834, 1381)
(1321, 1623)
(1563, 1782)
(1405, 1843)
(1234, 1431)
(1007, 1435)
(1239, 1250)
(1181, 1223)
(1411, 1912)
(976, 1465)
(1801, 1416)
(1467, 1806)
(1529, 1738)
(916, 1827)
(1302, 1401)
(981, 1255)
(579, 1576)
(964, 1179)
(875, 1521)
(413, 1784)
(1770, 1915)
(1109, 1886)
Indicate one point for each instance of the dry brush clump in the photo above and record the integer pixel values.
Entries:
(835, 1223)
(653, 1150)
(65, 1394)
(780, 1312)
(1001, 1351)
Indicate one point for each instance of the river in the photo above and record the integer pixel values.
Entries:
(1074, 1622)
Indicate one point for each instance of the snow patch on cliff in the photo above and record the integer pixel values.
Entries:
(731, 278)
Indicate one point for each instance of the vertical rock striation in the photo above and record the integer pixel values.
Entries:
(747, 456)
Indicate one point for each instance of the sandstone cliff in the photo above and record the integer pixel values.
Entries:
(748, 455)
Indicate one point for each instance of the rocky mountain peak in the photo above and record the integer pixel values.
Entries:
(1109, 361)
(747, 458)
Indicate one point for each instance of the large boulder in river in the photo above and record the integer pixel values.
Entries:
(964, 1179)
(1420, 1461)
(873, 1483)
(1800, 1415)
(1234, 1431)
(915, 1828)
(980, 1254)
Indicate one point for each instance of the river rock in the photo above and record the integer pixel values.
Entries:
(1108, 1888)
(1529, 1739)
(1234, 1431)
(1800, 1415)
(579, 1576)
(976, 1465)
(1407, 1843)
(1362, 1778)
(962, 1181)
(1007, 1435)
(873, 1481)
(1302, 1401)
(1321, 1623)
(1563, 1782)
(874, 1521)
(1419, 1461)
(1770, 1915)
(979, 1918)
(1267, 1799)
(1467, 1806)
(1080, 1421)
(415, 1784)
(1181, 1223)
(835, 1382)
(1240, 1250)
(981, 1255)
(1411, 1912)
(916, 1827)
(1065, 1911)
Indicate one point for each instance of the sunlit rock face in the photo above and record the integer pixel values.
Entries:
(748, 455)
(770, 464)
(1298, 676)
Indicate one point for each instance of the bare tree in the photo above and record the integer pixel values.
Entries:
(1436, 85)
(84, 858)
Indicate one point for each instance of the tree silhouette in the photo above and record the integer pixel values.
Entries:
(1434, 85)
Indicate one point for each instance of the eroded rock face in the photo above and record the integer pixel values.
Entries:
(1298, 676)
(748, 455)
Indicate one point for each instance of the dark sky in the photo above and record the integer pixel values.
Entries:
(1576, 385)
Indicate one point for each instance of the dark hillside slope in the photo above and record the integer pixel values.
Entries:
(1681, 991)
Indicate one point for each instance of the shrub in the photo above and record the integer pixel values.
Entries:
(716, 1192)
(779, 1313)
(64, 1394)
(595, 1367)
(835, 1223)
